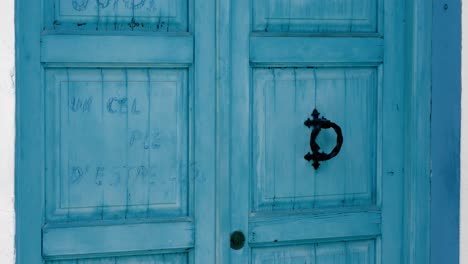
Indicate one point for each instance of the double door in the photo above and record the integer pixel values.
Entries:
(175, 131)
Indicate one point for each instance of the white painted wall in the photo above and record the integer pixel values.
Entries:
(464, 140)
(7, 132)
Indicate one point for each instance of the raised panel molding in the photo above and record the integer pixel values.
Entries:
(282, 99)
(117, 15)
(117, 143)
(350, 252)
(315, 16)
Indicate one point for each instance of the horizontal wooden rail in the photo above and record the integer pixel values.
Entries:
(321, 226)
(315, 50)
(89, 240)
(116, 49)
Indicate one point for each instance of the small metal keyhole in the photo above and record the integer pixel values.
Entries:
(237, 240)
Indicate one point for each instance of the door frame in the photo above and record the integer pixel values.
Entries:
(29, 140)
(417, 130)
(29, 135)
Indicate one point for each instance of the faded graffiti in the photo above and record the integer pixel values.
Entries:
(103, 3)
(114, 175)
(114, 105)
(134, 4)
(82, 5)
(120, 105)
(146, 140)
(81, 104)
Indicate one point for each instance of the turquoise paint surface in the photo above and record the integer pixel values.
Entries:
(157, 134)
(445, 132)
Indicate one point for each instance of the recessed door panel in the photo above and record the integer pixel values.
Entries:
(118, 143)
(283, 98)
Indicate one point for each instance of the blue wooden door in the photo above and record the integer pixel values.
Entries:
(140, 108)
(345, 59)
(128, 96)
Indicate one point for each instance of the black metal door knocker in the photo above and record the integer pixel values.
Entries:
(319, 123)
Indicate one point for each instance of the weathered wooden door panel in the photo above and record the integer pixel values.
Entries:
(128, 131)
(136, 163)
(137, 118)
(343, 58)
(282, 100)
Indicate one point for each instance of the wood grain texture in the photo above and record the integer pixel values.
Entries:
(331, 226)
(393, 142)
(239, 113)
(117, 49)
(282, 99)
(204, 154)
(351, 252)
(304, 50)
(362, 75)
(448, 212)
(118, 101)
(420, 126)
(287, 72)
(223, 130)
(315, 16)
(116, 15)
(117, 143)
(29, 152)
(111, 239)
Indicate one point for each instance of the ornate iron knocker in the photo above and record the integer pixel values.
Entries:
(319, 123)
